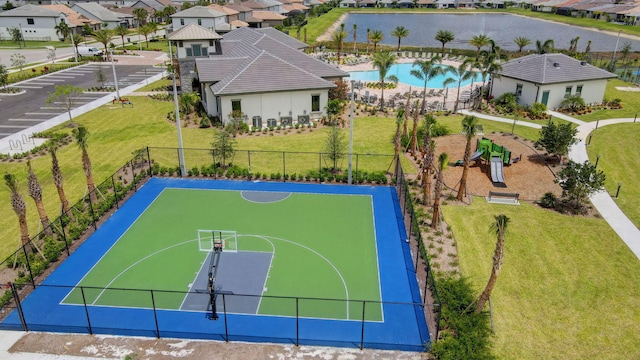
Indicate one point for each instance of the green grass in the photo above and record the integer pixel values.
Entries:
(37, 71)
(454, 124)
(155, 84)
(342, 231)
(620, 164)
(630, 103)
(8, 44)
(569, 288)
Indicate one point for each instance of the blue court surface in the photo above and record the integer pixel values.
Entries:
(403, 325)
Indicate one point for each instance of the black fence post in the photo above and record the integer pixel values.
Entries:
(356, 169)
(426, 283)
(249, 160)
(26, 257)
(133, 175)
(418, 254)
(224, 310)
(93, 215)
(115, 192)
(149, 162)
(284, 166)
(319, 165)
(16, 297)
(297, 323)
(362, 330)
(86, 310)
(64, 236)
(155, 314)
(179, 164)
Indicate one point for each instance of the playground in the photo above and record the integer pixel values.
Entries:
(529, 176)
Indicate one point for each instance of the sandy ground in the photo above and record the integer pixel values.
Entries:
(530, 177)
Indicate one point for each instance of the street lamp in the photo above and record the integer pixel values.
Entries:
(183, 170)
(115, 77)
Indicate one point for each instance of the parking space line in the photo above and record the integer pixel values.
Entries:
(39, 113)
(38, 120)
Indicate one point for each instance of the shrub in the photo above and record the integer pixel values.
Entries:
(548, 201)
(572, 103)
(507, 102)
(205, 123)
(537, 111)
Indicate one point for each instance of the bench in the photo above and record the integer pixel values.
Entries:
(503, 198)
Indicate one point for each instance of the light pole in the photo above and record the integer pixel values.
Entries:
(22, 36)
(613, 58)
(183, 170)
(349, 180)
(115, 77)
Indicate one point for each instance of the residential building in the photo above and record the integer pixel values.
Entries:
(75, 20)
(100, 13)
(549, 79)
(200, 15)
(269, 82)
(245, 14)
(35, 22)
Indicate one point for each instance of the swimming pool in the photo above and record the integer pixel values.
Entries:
(403, 73)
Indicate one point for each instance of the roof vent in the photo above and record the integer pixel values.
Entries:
(556, 65)
(583, 63)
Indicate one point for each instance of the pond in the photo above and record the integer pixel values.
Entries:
(502, 28)
(403, 73)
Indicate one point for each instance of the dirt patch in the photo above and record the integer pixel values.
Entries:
(530, 176)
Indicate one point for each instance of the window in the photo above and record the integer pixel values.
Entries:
(30, 21)
(235, 105)
(189, 52)
(210, 42)
(567, 91)
(197, 50)
(315, 102)
(204, 51)
(181, 21)
(518, 89)
(200, 22)
(180, 44)
(579, 90)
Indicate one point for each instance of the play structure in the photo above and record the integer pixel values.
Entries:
(497, 156)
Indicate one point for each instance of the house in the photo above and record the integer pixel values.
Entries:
(193, 41)
(35, 22)
(266, 81)
(100, 13)
(231, 19)
(245, 15)
(126, 15)
(268, 18)
(549, 79)
(75, 20)
(201, 15)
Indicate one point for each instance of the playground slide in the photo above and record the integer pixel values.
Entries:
(476, 154)
(497, 175)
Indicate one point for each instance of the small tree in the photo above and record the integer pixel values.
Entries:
(335, 146)
(499, 227)
(4, 76)
(443, 161)
(122, 31)
(556, 139)
(140, 15)
(51, 54)
(222, 147)
(65, 97)
(579, 181)
(334, 107)
(16, 35)
(100, 77)
(572, 103)
(18, 61)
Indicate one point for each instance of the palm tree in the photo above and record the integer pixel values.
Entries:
(426, 70)
(573, 45)
(469, 128)
(383, 62)
(443, 161)
(355, 43)
(35, 191)
(544, 48)
(121, 31)
(77, 39)
(400, 32)
(368, 39)
(522, 41)
(444, 36)
(459, 74)
(103, 36)
(499, 227)
(479, 41)
(376, 37)
(488, 65)
(57, 179)
(140, 15)
(397, 140)
(338, 37)
(81, 134)
(63, 30)
(146, 29)
(588, 48)
(428, 152)
(19, 206)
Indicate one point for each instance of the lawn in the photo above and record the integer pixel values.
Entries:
(630, 103)
(620, 164)
(569, 287)
(9, 44)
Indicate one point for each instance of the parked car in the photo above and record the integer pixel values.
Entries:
(89, 51)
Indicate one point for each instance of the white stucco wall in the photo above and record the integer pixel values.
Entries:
(182, 51)
(206, 22)
(269, 105)
(42, 26)
(592, 91)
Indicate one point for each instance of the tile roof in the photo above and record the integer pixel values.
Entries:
(282, 37)
(255, 5)
(551, 69)
(253, 61)
(223, 9)
(198, 12)
(193, 31)
(239, 7)
(74, 18)
(31, 11)
(98, 11)
(268, 15)
(239, 23)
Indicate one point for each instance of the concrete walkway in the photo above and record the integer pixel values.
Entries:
(602, 201)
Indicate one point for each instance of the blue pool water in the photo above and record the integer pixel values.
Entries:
(403, 73)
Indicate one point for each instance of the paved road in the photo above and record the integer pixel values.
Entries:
(23, 111)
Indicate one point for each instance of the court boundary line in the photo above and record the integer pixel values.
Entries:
(292, 192)
(375, 241)
(265, 202)
(266, 278)
(194, 280)
(114, 243)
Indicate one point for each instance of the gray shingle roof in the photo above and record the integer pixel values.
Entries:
(551, 69)
(282, 37)
(193, 31)
(31, 11)
(98, 11)
(266, 73)
(198, 12)
(215, 69)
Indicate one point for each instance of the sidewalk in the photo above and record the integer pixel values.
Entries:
(602, 201)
